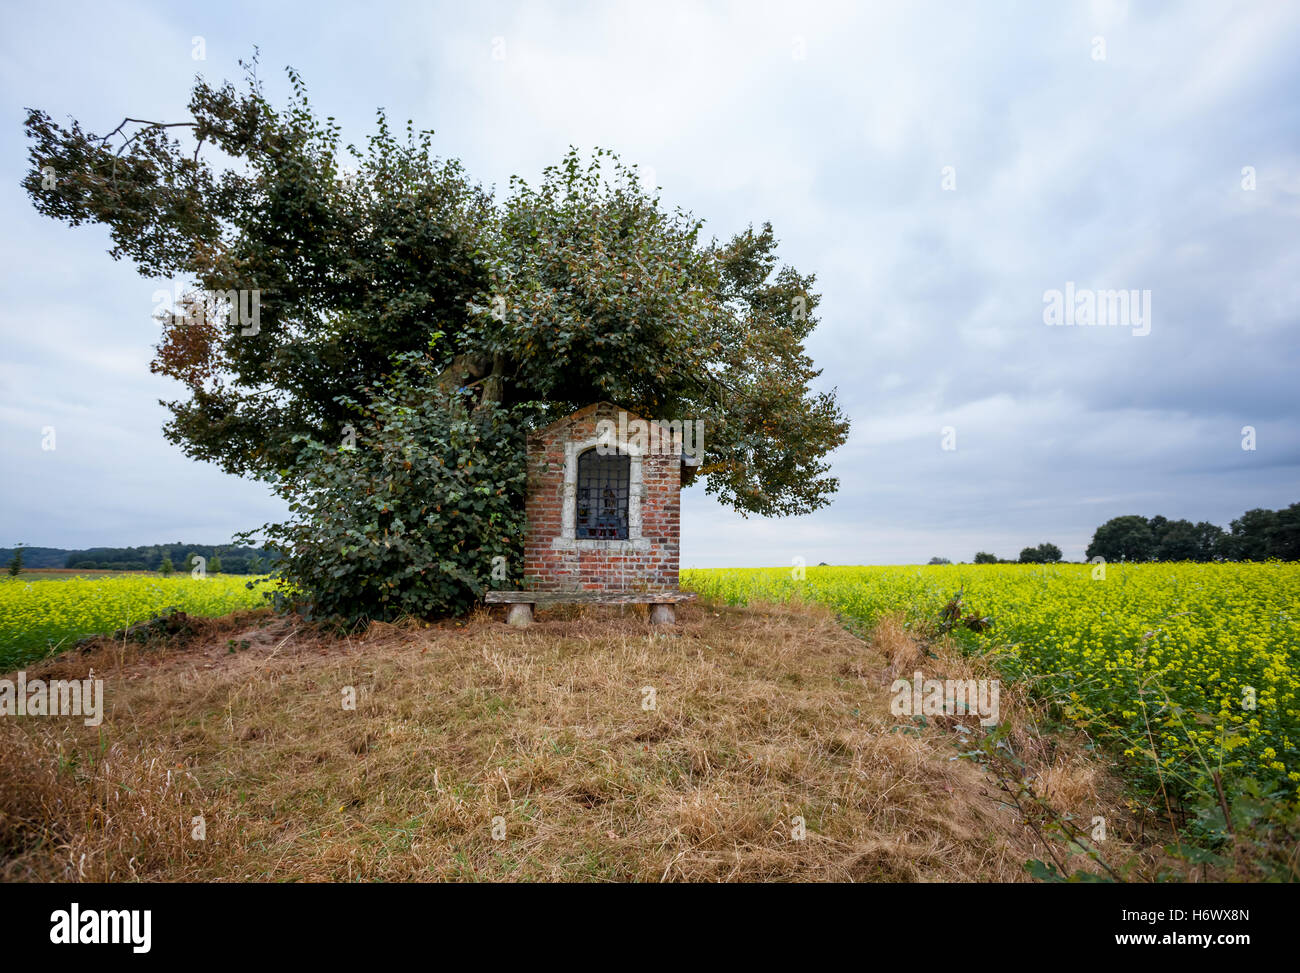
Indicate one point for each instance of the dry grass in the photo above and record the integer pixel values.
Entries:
(762, 715)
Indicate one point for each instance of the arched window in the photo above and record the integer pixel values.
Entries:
(602, 495)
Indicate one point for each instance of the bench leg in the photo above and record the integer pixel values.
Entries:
(663, 615)
(520, 615)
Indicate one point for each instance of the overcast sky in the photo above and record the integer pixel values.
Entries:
(1104, 144)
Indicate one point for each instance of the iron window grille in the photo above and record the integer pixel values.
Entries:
(603, 487)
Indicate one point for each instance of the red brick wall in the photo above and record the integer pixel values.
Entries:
(589, 567)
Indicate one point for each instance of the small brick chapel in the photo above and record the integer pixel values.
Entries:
(603, 512)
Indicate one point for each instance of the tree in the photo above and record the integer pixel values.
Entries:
(407, 523)
(166, 568)
(1158, 525)
(1135, 538)
(1209, 539)
(16, 562)
(983, 557)
(1179, 540)
(1045, 553)
(580, 288)
(1048, 553)
(347, 272)
(939, 560)
(1250, 535)
(1284, 536)
(607, 296)
(214, 564)
(1127, 538)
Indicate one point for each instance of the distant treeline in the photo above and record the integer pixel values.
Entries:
(1257, 535)
(229, 559)
(1044, 553)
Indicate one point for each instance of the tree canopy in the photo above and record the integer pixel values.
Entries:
(1044, 553)
(578, 288)
(1257, 535)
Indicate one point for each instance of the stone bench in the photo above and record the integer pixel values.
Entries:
(663, 604)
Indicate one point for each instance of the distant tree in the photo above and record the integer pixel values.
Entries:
(939, 560)
(1176, 540)
(984, 557)
(1044, 553)
(1284, 538)
(1251, 533)
(1181, 540)
(1158, 525)
(1209, 541)
(255, 564)
(16, 562)
(214, 564)
(1127, 538)
(166, 567)
(1256, 535)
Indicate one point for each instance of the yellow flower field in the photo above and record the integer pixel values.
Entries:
(37, 617)
(1187, 668)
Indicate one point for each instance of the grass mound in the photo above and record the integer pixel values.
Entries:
(749, 744)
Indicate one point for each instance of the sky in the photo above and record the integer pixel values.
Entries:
(941, 168)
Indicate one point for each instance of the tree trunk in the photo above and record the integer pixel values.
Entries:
(483, 375)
